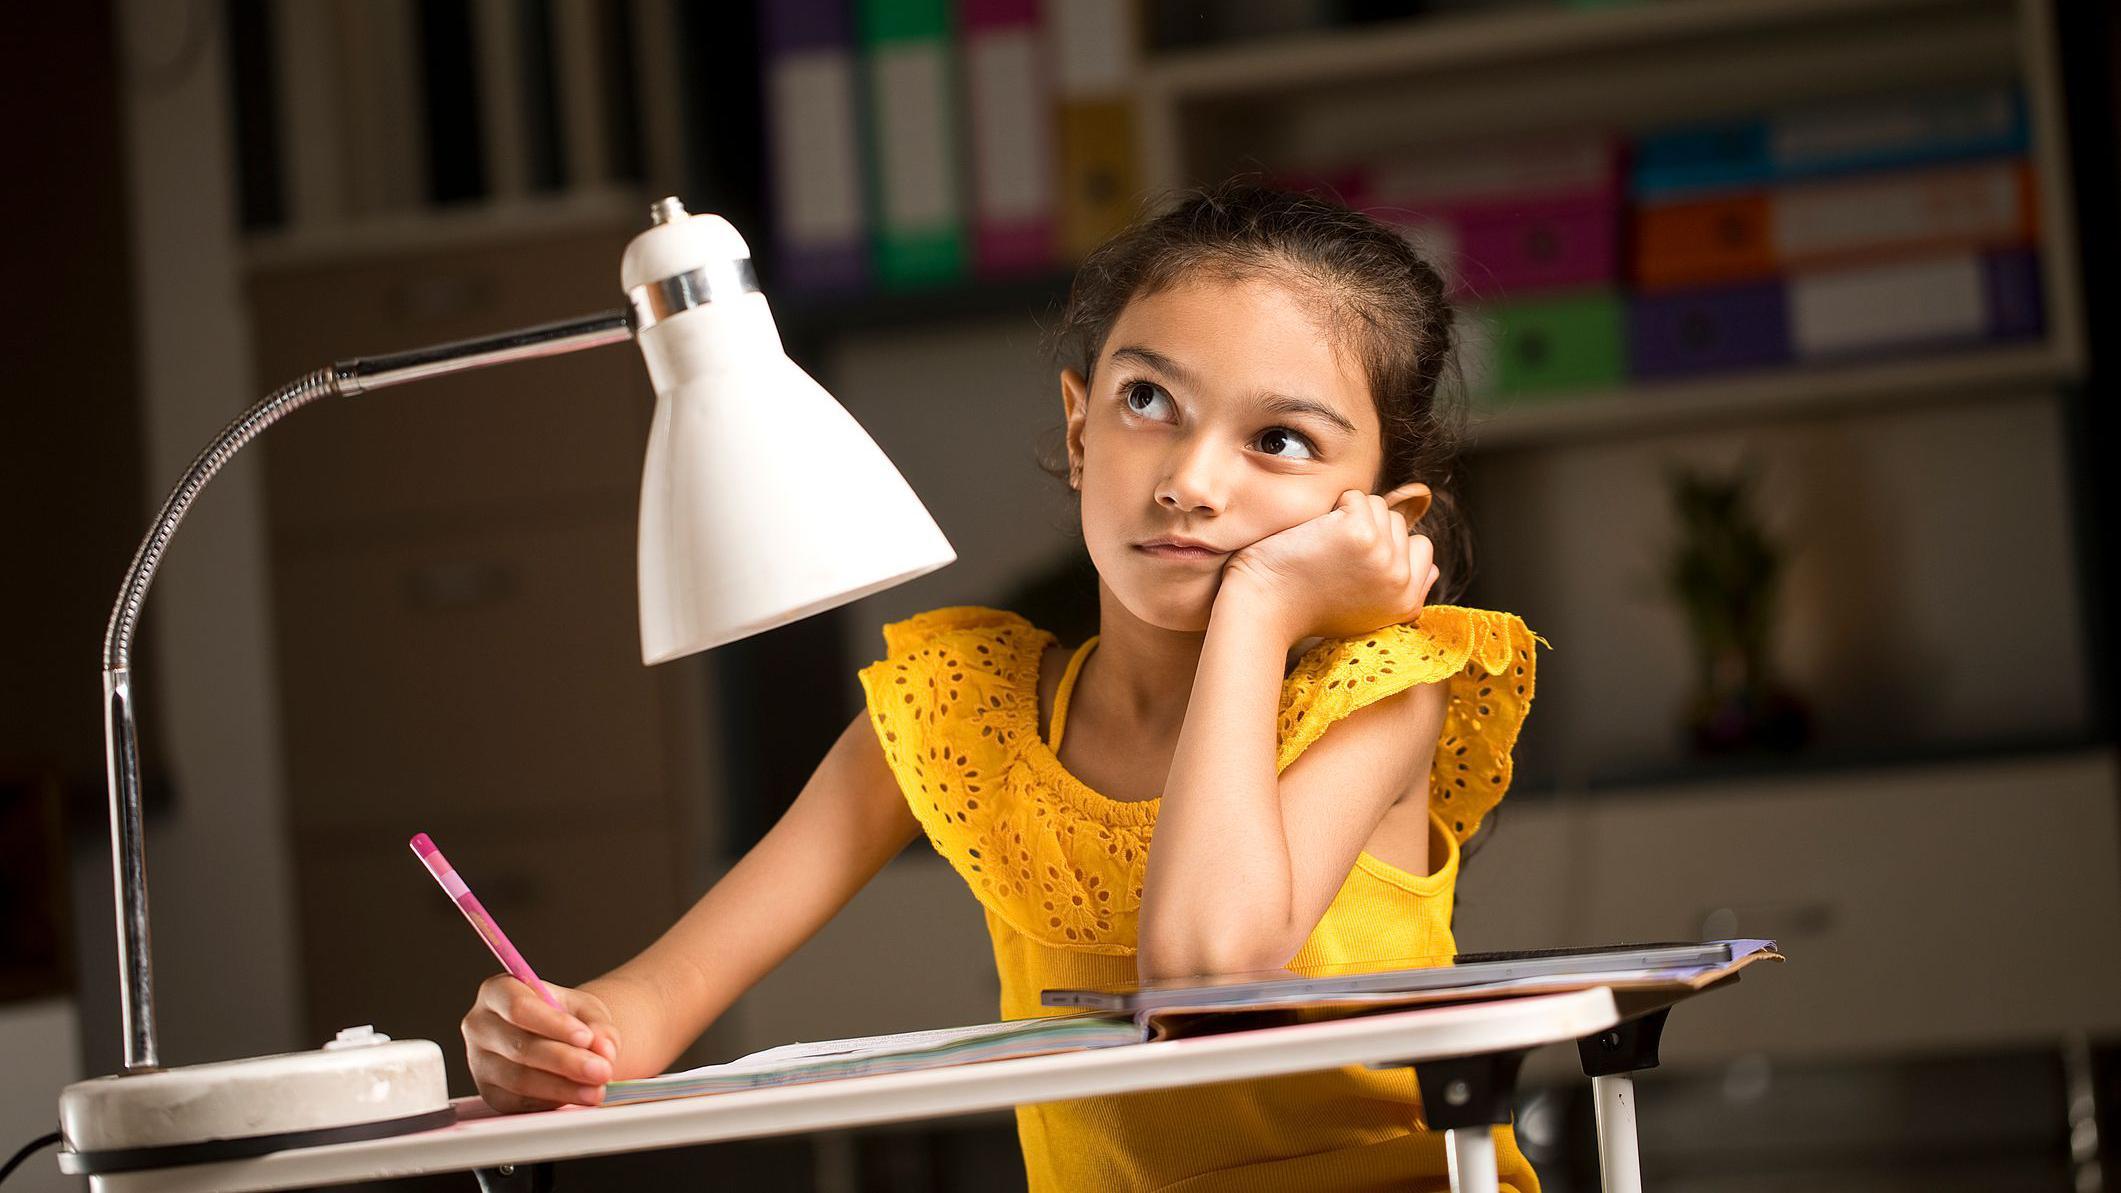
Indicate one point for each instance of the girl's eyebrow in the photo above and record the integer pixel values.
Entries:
(1284, 404)
(1271, 403)
(1158, 361)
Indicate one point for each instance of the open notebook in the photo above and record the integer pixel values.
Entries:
(790, 1064)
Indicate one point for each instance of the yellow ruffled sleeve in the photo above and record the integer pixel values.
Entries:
(954, 706)
(1485, 658)
(906, 637)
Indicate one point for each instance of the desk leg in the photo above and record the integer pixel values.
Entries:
(1619, 1164)
(1472, 1154)
(515, 1178)
(1467, 1096)
(1609, 1058)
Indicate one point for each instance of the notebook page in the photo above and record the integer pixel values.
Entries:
(906, 1041)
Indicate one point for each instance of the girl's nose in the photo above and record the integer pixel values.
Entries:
(1195, 481)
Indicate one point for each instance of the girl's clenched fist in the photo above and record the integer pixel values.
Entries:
(1348, 571)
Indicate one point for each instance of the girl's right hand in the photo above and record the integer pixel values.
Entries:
(1345, 572)
(526, 1056)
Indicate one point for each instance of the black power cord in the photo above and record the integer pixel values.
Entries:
(28, 1149)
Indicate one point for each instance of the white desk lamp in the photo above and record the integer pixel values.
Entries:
(762, 502)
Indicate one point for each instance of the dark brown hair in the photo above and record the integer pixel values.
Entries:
(1371, 288)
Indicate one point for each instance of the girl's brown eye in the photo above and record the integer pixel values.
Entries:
(1274, 439)
(1142, 397)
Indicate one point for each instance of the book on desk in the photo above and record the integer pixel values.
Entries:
(1177, 1010)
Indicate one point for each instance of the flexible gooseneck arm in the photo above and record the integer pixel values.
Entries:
(120, 740)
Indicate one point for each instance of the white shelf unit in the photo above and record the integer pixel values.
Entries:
(1946, 907)
(1988, 374)
(1321, 100)
(609, 207)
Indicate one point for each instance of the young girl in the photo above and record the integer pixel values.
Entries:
(1269, 754)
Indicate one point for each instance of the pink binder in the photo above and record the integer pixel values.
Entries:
(1010, 97)
(1509, 219)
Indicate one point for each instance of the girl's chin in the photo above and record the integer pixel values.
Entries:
(1184, 612)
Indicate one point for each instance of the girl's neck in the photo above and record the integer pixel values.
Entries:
(1140, 672)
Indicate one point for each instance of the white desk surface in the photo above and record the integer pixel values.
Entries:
(482, 1139)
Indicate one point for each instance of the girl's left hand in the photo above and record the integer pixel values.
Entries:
(1346, 572)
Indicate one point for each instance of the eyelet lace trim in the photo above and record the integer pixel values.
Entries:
(955, 707)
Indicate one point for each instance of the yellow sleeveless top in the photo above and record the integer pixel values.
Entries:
(1057, 869)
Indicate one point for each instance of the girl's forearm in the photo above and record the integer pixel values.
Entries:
(1218, 891)
(847, 822)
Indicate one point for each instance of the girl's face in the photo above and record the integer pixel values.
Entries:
(1221, 412)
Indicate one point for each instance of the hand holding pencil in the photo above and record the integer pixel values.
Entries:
(531, 1045)
(525, 1055)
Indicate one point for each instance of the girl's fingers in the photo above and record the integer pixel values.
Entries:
(1373, 508)
(489, 1034)
(507, 1103)
(551, 1056)
(591, 1010)
(1392, 536)
(503, 1039)
(520, 1005)
(526, 1082)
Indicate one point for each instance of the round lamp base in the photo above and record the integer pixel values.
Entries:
(363, 1086)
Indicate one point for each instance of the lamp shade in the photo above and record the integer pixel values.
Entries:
(762, 500)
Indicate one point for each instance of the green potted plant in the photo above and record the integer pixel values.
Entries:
(1724, 571)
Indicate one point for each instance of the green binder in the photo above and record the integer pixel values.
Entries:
(1559, 344)
(915, 158)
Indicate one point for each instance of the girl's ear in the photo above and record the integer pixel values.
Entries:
(1411, 500)
(1075, 407)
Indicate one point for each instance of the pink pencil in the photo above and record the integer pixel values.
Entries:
(489, 931)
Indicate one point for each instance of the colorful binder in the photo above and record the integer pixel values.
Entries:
(1566, 343)
(1707, 330)
(814, 144)
(1009, 94)
(1924, 302)
(915, 162)
(1508, 220)
(1096, 44)
(1874, 134)
(1738, 237)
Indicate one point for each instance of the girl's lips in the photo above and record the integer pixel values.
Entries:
(1166, 551)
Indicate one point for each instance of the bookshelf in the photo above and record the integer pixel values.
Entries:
(1299, 100)
(1296, 101)
(1310, 102)
(1475, 40)
(2007, 373)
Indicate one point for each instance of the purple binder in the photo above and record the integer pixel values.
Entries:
(1683, 332)
(810, 28)
(2015, 309)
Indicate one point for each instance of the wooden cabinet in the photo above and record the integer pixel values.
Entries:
(458, 649)
(541, 435)
(452, 677)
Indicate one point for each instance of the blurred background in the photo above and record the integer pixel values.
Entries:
(1786, 346)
